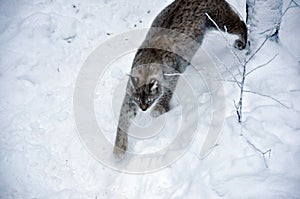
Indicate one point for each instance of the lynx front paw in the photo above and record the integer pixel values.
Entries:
(158, 110)
(238, 44)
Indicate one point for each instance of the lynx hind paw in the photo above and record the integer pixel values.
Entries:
(238, 44)
(157, 111)
(119, 153)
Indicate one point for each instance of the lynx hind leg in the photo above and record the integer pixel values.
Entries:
(239, 28)
(241, 31)
(229, 21)
(235, 26)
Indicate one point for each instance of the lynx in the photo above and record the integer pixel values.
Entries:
(148, 86)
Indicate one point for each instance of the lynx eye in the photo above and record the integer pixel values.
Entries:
(153, 91)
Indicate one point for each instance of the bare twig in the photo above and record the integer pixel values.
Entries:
(173, 74)
(243, 63)
(226, 39)
(241, 94)
(237, 111)
(274, 31)
(229, 71)
(267, 96)
(229, 80)
(231, 49)
(257, 50)
(288, 7)
(263, 153)
(239, 106)
(297, 5)
(260, 66)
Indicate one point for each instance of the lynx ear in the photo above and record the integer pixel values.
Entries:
(134, 81)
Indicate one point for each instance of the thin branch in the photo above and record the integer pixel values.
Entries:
(288, 7)
(235, 105)
(229, 80)
(237, 111)
(271, 31)
(263, 153)
(173, 74)
(241, 83)
(229, 46)
(267, 96)
(297, 5)
(229, 71)
(226, 39)
(260, 66)
(241, 94)
(257, 50)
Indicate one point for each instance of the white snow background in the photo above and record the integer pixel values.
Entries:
(43, 44)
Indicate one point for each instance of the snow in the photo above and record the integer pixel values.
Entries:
(44, 44)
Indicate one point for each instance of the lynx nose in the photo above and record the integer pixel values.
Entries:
(144, 107)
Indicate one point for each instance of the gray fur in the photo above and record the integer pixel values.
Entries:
(148, 85)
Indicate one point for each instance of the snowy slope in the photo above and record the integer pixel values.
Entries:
(43, 45)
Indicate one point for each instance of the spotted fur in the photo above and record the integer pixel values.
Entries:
(151, 64)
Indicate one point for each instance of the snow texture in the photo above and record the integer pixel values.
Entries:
(43, 44)
(264, 17)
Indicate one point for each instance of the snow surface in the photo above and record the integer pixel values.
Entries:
(43, 46)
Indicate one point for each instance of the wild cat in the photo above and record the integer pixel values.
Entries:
(149, 84)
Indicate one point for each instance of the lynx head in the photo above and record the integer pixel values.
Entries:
(146, 85)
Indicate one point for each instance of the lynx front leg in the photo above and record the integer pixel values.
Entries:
(128, 111)
(163, 104)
